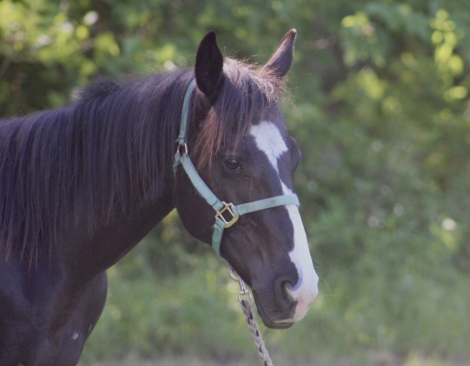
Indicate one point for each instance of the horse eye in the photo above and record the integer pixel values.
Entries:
(232, 164)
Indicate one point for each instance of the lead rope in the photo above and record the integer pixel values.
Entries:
(247, 306)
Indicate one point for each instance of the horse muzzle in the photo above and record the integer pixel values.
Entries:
(287, 304)
(304, 294)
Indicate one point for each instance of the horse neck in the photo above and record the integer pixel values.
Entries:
(87, 255)
(140, 177)
(94, 175)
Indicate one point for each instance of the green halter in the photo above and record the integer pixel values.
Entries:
(220, 207)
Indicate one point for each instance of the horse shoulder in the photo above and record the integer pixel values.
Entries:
(44, 320)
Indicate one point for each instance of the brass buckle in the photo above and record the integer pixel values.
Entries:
(227, 207)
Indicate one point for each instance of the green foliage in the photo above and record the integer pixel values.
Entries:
(171, 315)
(382, 116)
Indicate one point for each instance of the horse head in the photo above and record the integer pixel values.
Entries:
(241, 148)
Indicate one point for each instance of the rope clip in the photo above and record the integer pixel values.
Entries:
(243, 290)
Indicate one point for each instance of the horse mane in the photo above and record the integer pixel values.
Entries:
(111, 150)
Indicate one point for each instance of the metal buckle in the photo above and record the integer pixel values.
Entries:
(182, 146)
(227, 207)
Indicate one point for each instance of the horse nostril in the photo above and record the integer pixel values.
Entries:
(282, 286)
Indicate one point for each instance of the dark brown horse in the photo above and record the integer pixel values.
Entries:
(80, 186)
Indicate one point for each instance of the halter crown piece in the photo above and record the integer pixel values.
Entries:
(221, 208)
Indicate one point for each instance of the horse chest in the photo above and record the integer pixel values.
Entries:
(43, 322)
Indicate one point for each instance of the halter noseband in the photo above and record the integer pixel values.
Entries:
(220, 207)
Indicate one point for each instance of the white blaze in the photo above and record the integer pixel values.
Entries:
(269, 140)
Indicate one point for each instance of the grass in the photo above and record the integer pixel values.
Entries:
(195, 320)
(372, 359)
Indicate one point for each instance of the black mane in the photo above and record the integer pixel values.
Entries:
(112, 149)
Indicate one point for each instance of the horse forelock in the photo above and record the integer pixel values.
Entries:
(245, 95)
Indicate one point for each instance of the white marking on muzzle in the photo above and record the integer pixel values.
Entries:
(306, 289)
(269, 140)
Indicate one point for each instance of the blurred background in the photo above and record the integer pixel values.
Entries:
(379, 104)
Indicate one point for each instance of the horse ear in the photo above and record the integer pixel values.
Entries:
(279, 64)
(209, 65)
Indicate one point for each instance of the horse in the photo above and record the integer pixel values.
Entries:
(81, 185)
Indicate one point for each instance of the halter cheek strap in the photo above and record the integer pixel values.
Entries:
(226, 214)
